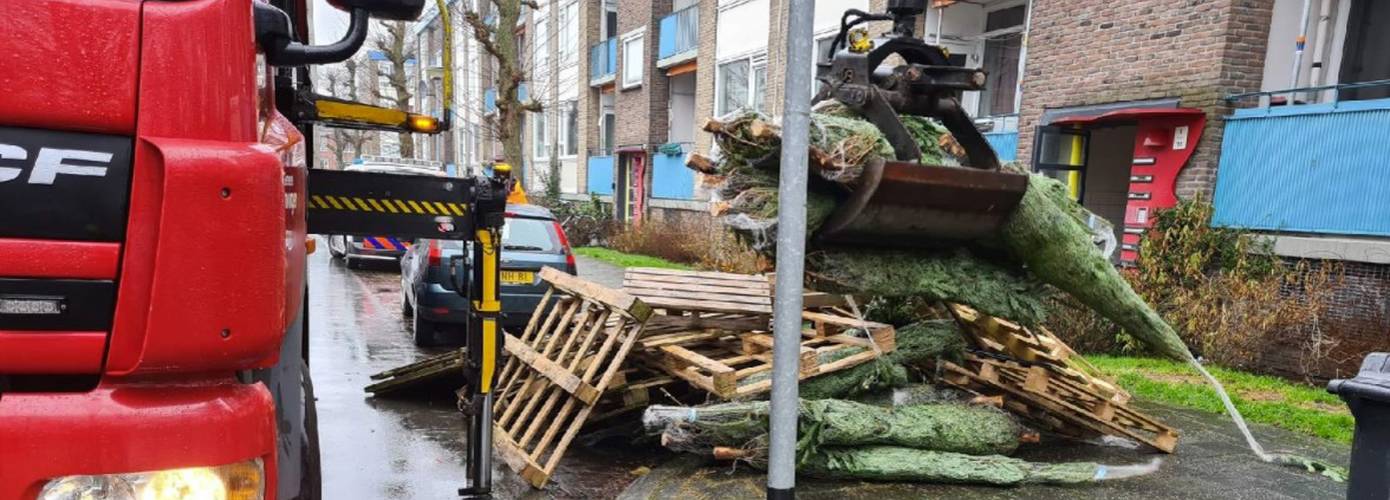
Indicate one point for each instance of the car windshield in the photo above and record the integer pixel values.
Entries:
(532, 235)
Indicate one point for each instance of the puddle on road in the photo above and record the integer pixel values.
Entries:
(413, 447)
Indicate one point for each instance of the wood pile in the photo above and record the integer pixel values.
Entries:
(1037, 377)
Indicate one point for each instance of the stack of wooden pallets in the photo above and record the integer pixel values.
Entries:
(1036, 376)
(711, 330)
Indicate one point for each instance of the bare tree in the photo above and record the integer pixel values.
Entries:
(391, 42)
(510, 73)
(342, 83)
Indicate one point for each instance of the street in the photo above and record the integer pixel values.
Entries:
(412, 447)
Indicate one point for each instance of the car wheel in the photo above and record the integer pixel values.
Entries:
(337, 246)
(350, 262)
(424, 331)
(406, 310)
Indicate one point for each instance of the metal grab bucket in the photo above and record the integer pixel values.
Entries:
(915, 205)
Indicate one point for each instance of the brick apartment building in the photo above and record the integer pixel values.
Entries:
(1134, 105)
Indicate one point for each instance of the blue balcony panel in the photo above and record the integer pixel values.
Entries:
(679, 36)
(1005, 145)
(670, 177)
(1318, 168)
(600, 177)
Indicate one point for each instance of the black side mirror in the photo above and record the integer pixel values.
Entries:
(394, 10)
(277, 40)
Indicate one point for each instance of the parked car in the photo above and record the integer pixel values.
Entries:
(353, 249)
(531, 239)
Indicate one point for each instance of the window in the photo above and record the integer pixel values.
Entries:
(632, 59)
(606, 133)
(759, 82)
(541, 52)
(570, 144)
(569, 33)
(738, 87)
(539, 139)
(733, 86)
(1001, 56)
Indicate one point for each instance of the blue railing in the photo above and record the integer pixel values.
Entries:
(1316, 168)
(670, 177)
(1005, 144)
(603, 61)
(600, 178)
(680, 35)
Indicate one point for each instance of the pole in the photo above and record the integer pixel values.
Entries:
(1298, 46)
(791, 251)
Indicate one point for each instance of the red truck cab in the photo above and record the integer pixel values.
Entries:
(152, 256)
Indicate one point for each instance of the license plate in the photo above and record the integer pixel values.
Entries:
(518, 277)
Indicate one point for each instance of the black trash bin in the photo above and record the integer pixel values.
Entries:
(1368, 395)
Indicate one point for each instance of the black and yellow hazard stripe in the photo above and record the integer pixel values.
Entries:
(385, 205)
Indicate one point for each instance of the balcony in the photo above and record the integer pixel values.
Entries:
(1308, 168)
(680, 37)
(603, 62)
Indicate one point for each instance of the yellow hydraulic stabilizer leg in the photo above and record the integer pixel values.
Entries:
(489, 306)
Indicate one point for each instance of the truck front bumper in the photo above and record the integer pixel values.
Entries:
(133, 427)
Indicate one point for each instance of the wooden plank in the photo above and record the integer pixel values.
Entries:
(616, 299)
(646, 292)
(692, 322)
(704, 305)
(557, 374)
(693, 284)
(714, 275)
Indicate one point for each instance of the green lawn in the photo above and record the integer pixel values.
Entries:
(1269, 400)
(628, 259)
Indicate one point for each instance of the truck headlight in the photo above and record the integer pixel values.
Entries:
(238, 481)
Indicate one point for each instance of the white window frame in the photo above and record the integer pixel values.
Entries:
(563, 128)
(540, 148)
(637, 35)
(568, 35)
(540, 46)
(755, 61)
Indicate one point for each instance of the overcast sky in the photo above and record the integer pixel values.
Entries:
(329, 23)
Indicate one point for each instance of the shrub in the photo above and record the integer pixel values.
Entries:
(690, 240)
(1222, 289)
(586, 223)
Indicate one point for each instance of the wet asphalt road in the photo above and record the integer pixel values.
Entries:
(412, 447)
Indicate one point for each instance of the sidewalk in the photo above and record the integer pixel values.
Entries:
(599, 271)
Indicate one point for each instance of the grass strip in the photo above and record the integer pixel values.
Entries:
(623, 259)
(1301, 408)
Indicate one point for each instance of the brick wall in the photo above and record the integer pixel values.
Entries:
(641, 112)
(705, 68)
(1083, 52)
(590, 28)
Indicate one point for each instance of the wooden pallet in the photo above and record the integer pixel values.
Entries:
(559, 368)
(1056, 403)
(691, 300)
(734, 365)
(1034, 346)
(431, 368)
(631, 389)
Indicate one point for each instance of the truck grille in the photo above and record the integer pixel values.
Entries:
(65, 198)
